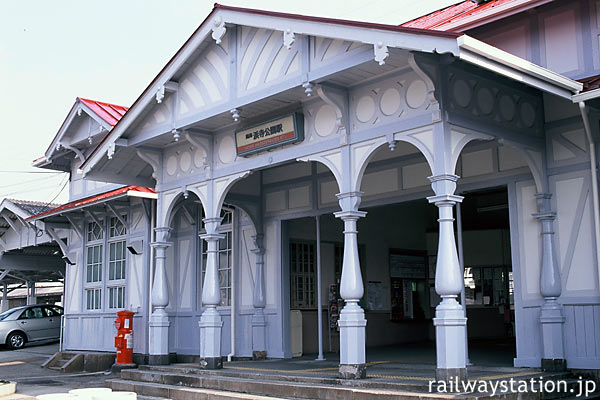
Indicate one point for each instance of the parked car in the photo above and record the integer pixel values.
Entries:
(31, 323)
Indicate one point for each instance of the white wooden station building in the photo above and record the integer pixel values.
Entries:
(271, 138)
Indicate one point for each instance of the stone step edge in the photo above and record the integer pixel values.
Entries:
(408, 385)
(415, 388)
(213, 394)
(353, 391)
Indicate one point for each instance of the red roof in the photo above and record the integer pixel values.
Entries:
(111, 113)
(140, 191)
(457, 13)
(590, 83)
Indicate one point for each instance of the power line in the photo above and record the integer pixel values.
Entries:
(25, 182)
(59, 192)
(31, 172)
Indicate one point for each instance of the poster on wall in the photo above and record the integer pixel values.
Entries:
(407, 299)
(374, 295)
(276, 132)
(333, 309)
(407, 266)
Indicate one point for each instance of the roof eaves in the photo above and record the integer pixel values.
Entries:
(225, 12)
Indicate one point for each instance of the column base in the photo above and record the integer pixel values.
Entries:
(554, 364)
(259, 335)
(353, 371)
(159, 339)
(450, 334)
(452, 375)
(158, 359)
(211, 363)
(352, 325)
(210, 334)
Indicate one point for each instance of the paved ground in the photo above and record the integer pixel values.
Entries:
(23, 366)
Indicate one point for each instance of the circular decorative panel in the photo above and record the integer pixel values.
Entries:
(462, 93)
(527, 114)
(171, 165)
(185, 161)
(365, 108)
(390, 101)
(416, 94)
(227, 150)
(485, 101)
(325, 120)
(507, 107)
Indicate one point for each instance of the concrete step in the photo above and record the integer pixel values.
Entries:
(263, 383)
(155, 391)
(164, 384)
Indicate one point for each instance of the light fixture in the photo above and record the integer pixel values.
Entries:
(235, 113)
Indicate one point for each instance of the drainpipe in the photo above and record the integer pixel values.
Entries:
(592, 145)
(150, 249)
(319, 289)
(233, 242)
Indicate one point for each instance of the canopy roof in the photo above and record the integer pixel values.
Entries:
(68, 138)
(126, 191)
(390, 36)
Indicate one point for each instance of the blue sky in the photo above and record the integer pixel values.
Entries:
(109, 50)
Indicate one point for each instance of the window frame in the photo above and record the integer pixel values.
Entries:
(105, 286)
(92, 242)
(119, 237)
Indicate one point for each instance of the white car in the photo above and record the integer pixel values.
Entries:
(31, 323)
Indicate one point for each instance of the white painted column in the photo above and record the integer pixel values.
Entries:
(352, 320)
(30, 293)
(449, 321)
(4, 302)
(211, 322)
(319, 292)
(159, 320)
(259, 320)
(551, 317)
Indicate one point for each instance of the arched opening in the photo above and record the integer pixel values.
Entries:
(185, 268)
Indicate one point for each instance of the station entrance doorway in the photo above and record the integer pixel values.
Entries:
(397, 251)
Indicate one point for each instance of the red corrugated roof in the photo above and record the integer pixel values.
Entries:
(93, 199)
(111, 113)
(438, 20)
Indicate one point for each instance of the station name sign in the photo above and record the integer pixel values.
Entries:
(277, 132)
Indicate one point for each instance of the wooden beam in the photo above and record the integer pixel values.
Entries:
(117, 215)
(96, 220)
(76, 227)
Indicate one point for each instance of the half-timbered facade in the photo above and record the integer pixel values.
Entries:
(266, 123)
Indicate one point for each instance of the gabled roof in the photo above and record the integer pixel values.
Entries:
(405, 37)
(132, 191)
(469, 14)
(106, 114)
(111, 113)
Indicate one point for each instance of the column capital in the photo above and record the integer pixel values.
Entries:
(162, 234)
(211, 236)
(350, 215)
(451, 199)
(349, 201)
(443, 184)
(211, 225)
(545, 216)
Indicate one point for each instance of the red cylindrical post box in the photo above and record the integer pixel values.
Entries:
(124, 338)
